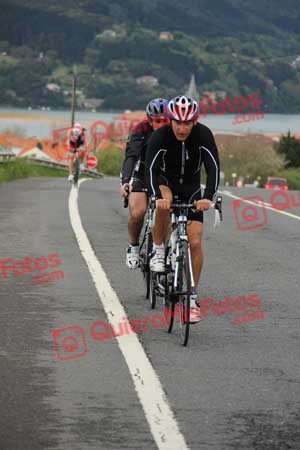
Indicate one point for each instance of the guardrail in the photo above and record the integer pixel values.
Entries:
(44, 162)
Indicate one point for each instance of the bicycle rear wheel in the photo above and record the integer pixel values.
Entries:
(152, 288)
(185, 289)
(144, 258)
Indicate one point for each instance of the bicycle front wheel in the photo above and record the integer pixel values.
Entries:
(152, 288)
(76, 171)
(147, 260)
(185, 289)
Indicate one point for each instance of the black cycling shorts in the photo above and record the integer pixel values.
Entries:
(138, 185)
(186, 193)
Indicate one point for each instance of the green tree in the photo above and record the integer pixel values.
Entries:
(289, 147)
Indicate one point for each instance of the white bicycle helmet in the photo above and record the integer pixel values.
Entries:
(77, 129)
(183, 108)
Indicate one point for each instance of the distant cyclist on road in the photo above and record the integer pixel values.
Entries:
(76, 141)
(132, 174)
(173, 162)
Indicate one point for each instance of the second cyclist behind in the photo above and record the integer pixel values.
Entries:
(133, 174)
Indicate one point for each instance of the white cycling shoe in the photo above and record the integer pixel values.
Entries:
(71, 177)
(195, 313)
(157, 262)
(132, 257)
(82, 167)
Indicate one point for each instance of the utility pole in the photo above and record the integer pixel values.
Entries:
(74, 86)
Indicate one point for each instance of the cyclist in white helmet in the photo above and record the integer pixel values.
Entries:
(173, 163)
(76, 142)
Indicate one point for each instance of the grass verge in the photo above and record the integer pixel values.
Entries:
(22, 168)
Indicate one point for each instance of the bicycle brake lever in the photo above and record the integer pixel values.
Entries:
(218, 211)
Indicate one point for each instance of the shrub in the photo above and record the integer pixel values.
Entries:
(289, 147)
(110, 161)
(293, 178)
(251, 158)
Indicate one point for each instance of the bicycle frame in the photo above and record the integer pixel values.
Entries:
(179, 275)
(179, 232)
(146, 247)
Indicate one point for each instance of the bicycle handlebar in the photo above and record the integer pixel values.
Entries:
(217, 205)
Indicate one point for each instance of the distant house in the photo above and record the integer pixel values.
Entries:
(91, 103)
(221, 94)
(107, 34)
(53, 87)
(166, 36)
(147, 80)
(211, 95)
(35, 152)
(296, 62)
(14, 143)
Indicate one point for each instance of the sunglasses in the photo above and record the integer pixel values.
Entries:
(164, 120)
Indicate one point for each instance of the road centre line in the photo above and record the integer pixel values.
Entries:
(159, 415)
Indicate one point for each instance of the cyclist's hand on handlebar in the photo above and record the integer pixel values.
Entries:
(203, 205)
(124, 190)
(163, 204)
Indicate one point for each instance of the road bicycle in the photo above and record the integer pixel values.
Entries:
(178, 276)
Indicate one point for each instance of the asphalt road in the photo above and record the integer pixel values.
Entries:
(235, 387)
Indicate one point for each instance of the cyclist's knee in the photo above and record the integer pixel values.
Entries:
(137, 214)
(137, 210)
(195, 244)
(162, 215)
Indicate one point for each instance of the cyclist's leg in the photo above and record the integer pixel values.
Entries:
(162, 221)
(83, 158)
(195, 230)
(160, 231)
(70, 158)
(137, 209)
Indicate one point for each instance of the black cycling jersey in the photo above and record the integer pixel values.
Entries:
(135, 151)
(180, 162)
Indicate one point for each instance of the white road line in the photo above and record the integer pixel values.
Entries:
(158, 413)
(264, 205)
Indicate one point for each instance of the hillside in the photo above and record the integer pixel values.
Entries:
(232, 46)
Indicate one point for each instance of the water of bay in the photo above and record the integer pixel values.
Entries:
(37, 123)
